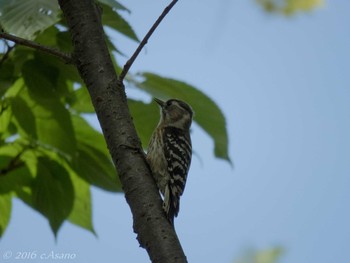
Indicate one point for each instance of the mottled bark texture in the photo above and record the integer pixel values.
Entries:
(93, 61)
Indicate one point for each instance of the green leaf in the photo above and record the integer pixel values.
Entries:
(13, 172)
(146, 117)
(15, 179)
(114, 4)
(48, 37)
(82, 101)
(30, 158)
(25, 117)
(96, 168)
(55, 128)
(113, 48)
(41, 79)
(26, 18)
(5, 118)
(15, 89)
(64, 72)
(7, 76)
(64, 41)
(6, 69)
(112, 19)
(86, 134)
(81, 214)
(53, 124)
(20, 54)
(53, 192)
(207, 114)
(10, 149)
(5, 212)
(51, 68)
(93, 162)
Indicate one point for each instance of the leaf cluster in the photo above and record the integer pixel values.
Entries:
(50, 155)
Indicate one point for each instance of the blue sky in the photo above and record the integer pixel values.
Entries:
(284, 87)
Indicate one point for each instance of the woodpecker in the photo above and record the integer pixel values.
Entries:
(170, 151)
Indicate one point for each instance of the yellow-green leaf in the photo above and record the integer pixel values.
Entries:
(5, 211)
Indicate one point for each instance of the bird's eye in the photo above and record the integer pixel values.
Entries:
(168, 103)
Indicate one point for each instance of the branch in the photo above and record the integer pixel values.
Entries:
(95, 67)
(7, 53)
(144, 41)
(13, 164)
(31, 44)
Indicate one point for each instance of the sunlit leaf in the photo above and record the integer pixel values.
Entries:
(5, 211)
(15, 179)
(5, 118)
(81, 214)
(53, 124)
(26, 18)
(13, 172)
(30, 158)
(15, 88)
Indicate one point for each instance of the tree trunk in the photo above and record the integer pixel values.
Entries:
(94, 64)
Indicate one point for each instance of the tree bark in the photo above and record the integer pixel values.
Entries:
(94, 64)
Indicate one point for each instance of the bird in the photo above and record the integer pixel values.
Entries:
(170, 151)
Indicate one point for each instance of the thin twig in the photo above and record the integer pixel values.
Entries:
(13, 164)
(24, 42)
(7, 53)
(144, 41)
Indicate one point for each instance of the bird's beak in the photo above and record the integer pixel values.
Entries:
(160, 102)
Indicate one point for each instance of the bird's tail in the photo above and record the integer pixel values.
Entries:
(171, 205)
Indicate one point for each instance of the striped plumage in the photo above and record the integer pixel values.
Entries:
(169, 153)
